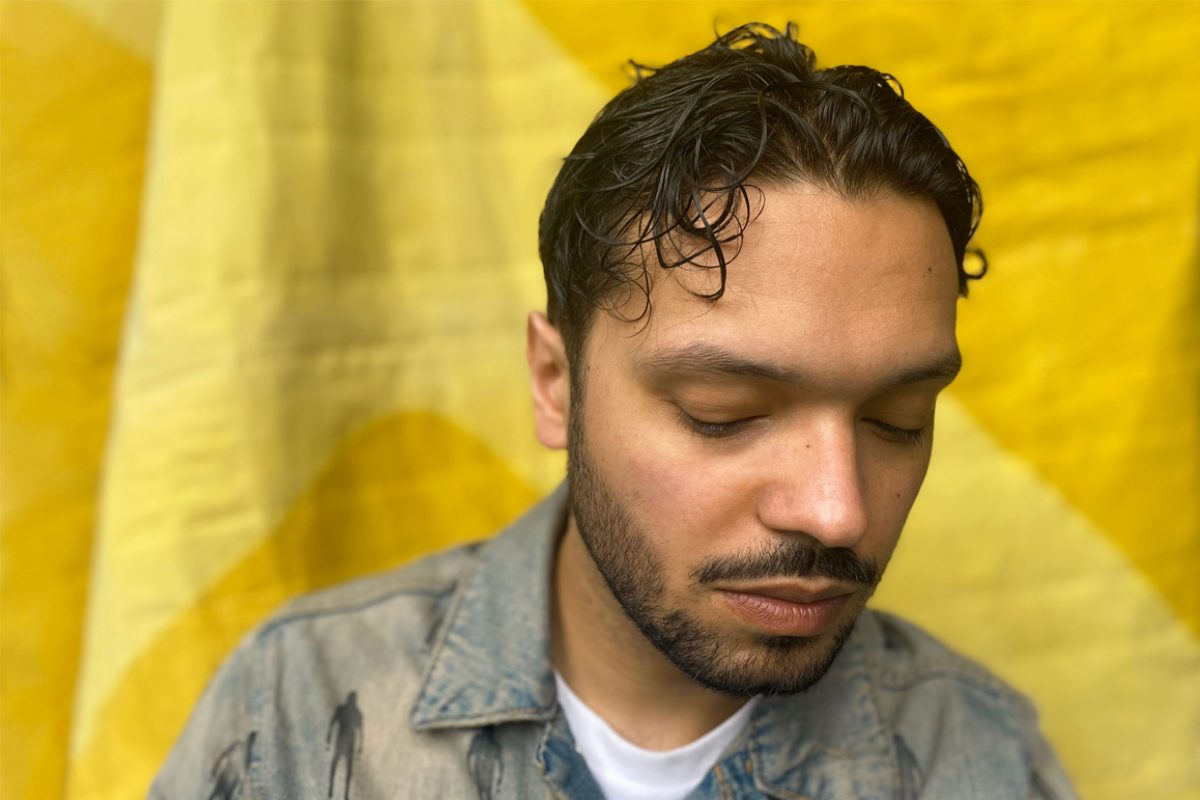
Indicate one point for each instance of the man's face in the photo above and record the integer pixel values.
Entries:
(741, 470)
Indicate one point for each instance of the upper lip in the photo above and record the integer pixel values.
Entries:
(793, 592)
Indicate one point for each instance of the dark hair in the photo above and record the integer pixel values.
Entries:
(666, 164)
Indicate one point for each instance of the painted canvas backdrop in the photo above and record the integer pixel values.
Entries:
(265, 272)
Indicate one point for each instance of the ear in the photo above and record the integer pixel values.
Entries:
(550, 380)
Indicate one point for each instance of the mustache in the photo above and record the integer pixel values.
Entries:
(792, 558)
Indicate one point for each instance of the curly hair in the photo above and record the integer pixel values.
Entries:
(668, 164)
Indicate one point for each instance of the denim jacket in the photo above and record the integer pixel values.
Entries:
(435, 681)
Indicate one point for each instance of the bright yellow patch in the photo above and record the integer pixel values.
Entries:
(73, 115)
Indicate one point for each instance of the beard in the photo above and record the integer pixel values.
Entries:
(739, 666)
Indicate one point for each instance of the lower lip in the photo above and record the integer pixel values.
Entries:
(784, 618)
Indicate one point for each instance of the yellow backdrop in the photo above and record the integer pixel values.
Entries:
(265, 272)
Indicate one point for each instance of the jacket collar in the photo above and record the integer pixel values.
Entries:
(491, 662)
(829, 741)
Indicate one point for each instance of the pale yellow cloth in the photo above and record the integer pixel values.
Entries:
(265, 273)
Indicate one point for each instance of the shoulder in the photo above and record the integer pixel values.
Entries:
(423, 585)
(378, 628)
(917, 675)
(953, 722)
(363, 644)
(906, 657)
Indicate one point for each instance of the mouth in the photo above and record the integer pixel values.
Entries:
(788, 609)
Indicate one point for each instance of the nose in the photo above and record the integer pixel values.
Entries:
(814, 487)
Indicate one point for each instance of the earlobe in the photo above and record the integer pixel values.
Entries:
(549, 378)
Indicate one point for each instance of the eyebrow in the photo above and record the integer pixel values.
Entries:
(705, 359)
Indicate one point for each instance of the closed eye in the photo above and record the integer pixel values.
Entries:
(894, 433)
(713, 430)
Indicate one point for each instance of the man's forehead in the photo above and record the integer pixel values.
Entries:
(817, 275)
(796, 237)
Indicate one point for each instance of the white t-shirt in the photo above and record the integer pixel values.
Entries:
(628, 772)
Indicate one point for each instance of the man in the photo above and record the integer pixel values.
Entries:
(753, 269)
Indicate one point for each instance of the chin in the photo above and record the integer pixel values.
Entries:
(760, 665)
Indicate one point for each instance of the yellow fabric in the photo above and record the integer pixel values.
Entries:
(308, 230)
(73, 111)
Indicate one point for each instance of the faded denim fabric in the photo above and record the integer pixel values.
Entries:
(435, 681)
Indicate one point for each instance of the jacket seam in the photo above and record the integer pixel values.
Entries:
(351, 608)
(257, 716)
(979, 684)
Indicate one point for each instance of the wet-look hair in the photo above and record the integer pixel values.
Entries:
(668, 172)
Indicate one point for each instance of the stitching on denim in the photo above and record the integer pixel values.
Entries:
(257, 720)
(298, 616)
(980, 683)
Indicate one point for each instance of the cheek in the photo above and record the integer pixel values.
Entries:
(631, 440)
(892, 493)
(680, 504)
(667, 495)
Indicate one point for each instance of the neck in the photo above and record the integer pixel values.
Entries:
(616, 670)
